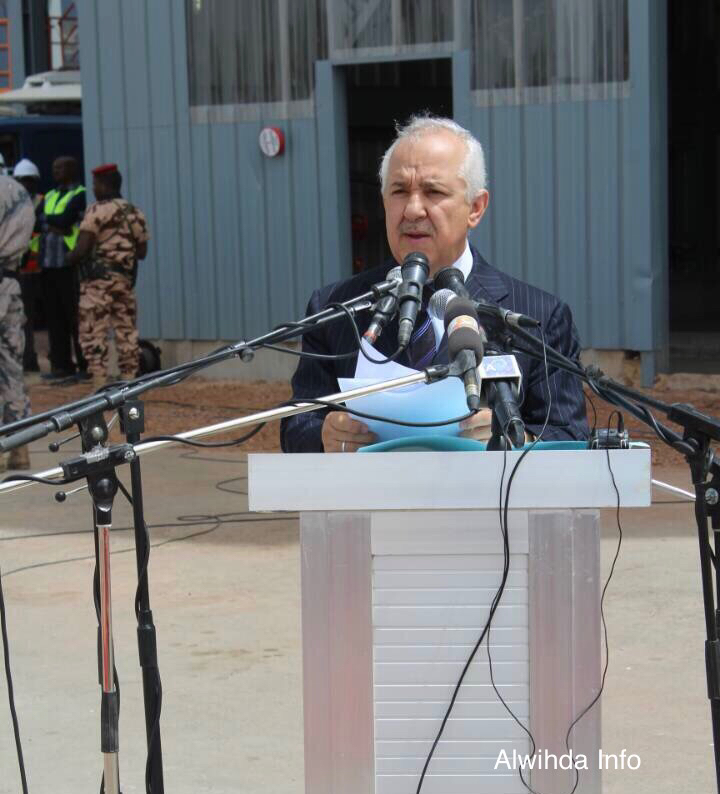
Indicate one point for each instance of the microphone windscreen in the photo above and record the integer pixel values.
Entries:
(417, 258)
(463, 328)
(439, 301)
(451, 278)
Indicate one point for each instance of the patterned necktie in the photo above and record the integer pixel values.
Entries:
(421, 350)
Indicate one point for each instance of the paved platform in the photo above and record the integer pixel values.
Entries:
(225, 595)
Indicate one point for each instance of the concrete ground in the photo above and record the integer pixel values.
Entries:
(225, 595)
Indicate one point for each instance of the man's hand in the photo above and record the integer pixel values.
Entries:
(340, 433)
(477, 426)
(83, 248)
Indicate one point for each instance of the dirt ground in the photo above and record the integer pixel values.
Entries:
(227, 602)
(199, 402)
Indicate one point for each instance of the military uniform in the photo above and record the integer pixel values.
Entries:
(17, 219)
(14, 402)
(106, 287)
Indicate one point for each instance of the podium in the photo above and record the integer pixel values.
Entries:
(401, 556)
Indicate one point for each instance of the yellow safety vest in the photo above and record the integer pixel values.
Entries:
(56, 205)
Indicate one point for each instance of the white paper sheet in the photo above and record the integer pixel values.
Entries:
(419, 402)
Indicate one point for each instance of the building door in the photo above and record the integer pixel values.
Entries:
(694, 183)
(379, 95)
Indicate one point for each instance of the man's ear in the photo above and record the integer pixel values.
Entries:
(477, 208)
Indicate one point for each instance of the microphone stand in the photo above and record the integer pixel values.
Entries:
(699, 430)
(97, 466)
(66, 473)
(500, 438)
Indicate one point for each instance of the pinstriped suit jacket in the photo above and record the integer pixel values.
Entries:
(314, 378)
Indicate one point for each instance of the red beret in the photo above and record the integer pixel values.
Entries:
(105, 169)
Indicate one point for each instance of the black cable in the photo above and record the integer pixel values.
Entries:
(302, 354)
(501, 588)
(31, 478)
(604, 591)
(11, 691)
(503, 509)
(156, 680)
(207, 444)
(356, 331)
(342, 407)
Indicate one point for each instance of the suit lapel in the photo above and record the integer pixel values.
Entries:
(484, 281)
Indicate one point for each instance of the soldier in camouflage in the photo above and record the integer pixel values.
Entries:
(113, 238)
(17, 219)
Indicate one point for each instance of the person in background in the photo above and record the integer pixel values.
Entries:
(113, 238)
(17, 220)
(27, 174)
(63, 209)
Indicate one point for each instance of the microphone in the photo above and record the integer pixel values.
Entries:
(465, 345)
(500, 379)
(499, 375)
(385, 309)
(451, 278)
(415, 271)
(505, 316)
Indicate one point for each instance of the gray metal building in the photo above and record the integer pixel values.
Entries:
(569, 97)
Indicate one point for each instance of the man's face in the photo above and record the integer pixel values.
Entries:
(99, 189)
(29, 183)
(58, 171)
(425, 205)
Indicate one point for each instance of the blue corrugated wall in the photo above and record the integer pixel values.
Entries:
(577, 188)
(236, 237)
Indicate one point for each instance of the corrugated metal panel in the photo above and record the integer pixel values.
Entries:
(17, 42)
(238, 240)
(251, 212)
(558, 217)
(578, 198)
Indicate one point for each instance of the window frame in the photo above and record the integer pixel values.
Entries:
(521, 94)
(5, 23)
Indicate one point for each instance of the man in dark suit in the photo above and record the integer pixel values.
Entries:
(433, 187)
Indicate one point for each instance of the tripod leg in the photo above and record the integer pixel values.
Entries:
(102, 489)
(109, 712)
(712, 644)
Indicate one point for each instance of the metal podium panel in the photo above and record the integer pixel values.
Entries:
(393, 604)
(565, 648)
(439, 480)
(434, 577)
(337, 653)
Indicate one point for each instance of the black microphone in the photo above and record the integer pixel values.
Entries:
(500, 375)
(451, 278)
(500, 380)
(385, 309)
(465, 345)
(415, 271)
(452, 285)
